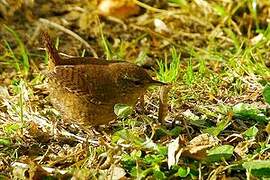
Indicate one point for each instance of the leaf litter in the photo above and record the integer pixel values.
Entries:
(219, 99)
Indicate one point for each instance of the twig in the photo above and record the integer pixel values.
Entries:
(156, 34)
(114, 19)
(26, 166)
(80, 139)
(150, 8)
(71, 33)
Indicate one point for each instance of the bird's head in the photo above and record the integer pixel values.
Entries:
(135, 77)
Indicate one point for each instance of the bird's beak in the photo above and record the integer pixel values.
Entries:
(157, 83)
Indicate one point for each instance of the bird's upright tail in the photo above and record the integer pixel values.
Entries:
(54, 58)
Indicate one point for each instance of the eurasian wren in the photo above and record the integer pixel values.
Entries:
(85, 90)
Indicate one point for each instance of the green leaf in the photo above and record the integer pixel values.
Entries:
(260, 168)
(159, 175)
(251, 132)
(183, 171)
(136, 154)
(4, 142)
(152, 159)
(266, 93)
(162, 131)
(178, 2)
(215, 131)
(247, 111)
(175, 131)
(220, 152)
(122, 110)
(193, 118)
(162, 150)
(128, 162)
(137, 172)
(122, 134)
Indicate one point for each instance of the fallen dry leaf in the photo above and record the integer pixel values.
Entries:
(118, 8)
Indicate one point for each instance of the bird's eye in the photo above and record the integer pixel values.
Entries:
(137, 82)
(134, 81)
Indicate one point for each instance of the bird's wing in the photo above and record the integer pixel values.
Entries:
(88, 61)
(75, 79)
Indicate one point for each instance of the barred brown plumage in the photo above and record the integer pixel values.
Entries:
(85, 90)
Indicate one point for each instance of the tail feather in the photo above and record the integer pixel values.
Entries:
(54, 58)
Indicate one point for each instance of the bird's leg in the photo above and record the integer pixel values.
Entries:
(163, 103)
(141, 104)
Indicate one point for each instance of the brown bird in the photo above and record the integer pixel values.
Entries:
(85, 90)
